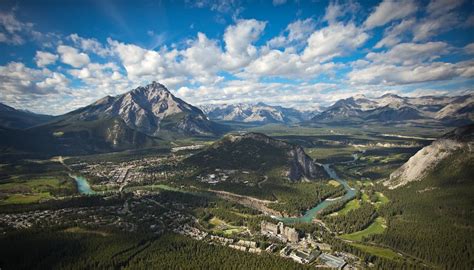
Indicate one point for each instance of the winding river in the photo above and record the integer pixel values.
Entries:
(312, 213)
(82, 185)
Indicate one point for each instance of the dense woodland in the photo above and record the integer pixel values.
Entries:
(55, 249)
(433, 219)
(356, 220)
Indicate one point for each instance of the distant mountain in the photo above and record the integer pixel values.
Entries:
(260, 153)
(427, 160)
(152, 110)
(146, 116)
(254, 113)
(18, 119)
(393, 108)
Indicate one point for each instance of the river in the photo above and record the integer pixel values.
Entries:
(312, 213)
(82, 185)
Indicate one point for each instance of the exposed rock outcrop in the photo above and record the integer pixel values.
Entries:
(423, 162)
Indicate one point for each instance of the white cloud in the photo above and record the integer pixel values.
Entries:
(56, 80)
(395, 34)
(276, 63)
(89, 45)
(440, 7)
(390, 10)
(396, 75)
(469, 48)
(12, 29)
(238, 40)
(301, 95)
(410, 53)
(72, 56)
(45, 58)
(295, 34)
(333, 41)
(441, 16)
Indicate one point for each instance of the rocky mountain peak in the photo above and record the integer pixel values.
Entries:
(146, 108)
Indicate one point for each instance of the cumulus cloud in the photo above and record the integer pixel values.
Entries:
(332, 41)
(72, 56)
(397, 75)
(390, 10)
(238, 40)
(43, 59)
(410, 53)
(89, 45)
(295, 34)
(302, 95)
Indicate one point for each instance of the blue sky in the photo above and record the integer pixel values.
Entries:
(61, 55)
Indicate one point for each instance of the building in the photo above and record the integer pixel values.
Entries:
(332, 261)
(304, 256)
(269, 228)
(279, 230)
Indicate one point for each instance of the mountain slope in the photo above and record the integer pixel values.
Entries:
(87, 137)
(428, 158)
(432, 217)
(258, 152)
(152, 110)
(17, 119)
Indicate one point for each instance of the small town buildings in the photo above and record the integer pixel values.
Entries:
(284, 232)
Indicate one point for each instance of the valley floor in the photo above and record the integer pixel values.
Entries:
(148, 208)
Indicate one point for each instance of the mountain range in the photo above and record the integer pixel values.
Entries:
(451, 110)
(456, 110)
(256, 113)
(151, 115)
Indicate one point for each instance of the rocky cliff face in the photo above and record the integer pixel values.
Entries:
(423, 162)
(302, 166)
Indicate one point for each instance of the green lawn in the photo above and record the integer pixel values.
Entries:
(220, 226)
(377, 227)
(378, 251)
(365, 197)
(334, 183)
(25, 198)
(349, 206)
(381, 200)
(32, 190)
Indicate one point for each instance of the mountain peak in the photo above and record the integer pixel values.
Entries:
(150, 109)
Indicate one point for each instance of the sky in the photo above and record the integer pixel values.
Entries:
(59, 55)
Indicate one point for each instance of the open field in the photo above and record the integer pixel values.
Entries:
(221, 227)
(377, 227)
(22, 191)
(349, 206)
(378, 251)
